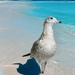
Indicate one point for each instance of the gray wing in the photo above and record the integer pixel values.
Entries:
(35, 48)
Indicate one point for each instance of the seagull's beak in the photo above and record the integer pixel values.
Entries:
(59, 22)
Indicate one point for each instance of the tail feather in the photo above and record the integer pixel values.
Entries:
(26, 55)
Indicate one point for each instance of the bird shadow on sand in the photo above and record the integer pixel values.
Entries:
(29, 68)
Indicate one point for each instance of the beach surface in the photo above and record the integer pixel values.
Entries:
(52, 68)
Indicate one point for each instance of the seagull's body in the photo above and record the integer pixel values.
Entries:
(45, 47)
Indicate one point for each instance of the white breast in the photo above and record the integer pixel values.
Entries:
(47, 47)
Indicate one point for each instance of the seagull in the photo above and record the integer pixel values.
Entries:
(45, 47)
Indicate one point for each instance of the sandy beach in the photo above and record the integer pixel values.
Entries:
(52, 68)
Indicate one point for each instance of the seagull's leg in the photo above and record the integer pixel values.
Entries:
(43, 65)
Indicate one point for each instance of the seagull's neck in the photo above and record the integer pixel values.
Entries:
(47, 32)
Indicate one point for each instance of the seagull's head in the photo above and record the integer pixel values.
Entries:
(52, 20)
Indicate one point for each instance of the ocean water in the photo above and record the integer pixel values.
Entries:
(21, 23)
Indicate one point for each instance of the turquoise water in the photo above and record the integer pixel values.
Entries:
(21, 24)
(61, 10)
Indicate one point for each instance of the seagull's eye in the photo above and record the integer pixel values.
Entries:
(51, 17)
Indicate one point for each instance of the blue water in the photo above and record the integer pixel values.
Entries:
(21, 23)
(61, 10)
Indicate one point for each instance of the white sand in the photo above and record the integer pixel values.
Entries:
(52, 68)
